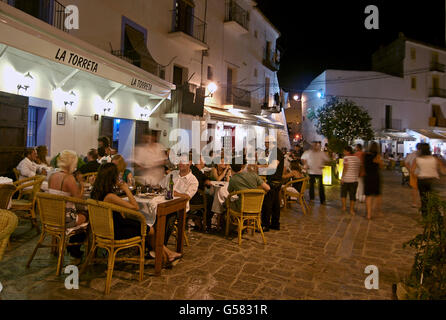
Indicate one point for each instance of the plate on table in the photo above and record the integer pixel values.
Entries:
(147, 195)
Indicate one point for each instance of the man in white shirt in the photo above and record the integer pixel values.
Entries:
(408, 162)
(28, 167)
(314, 161)
(184, 185)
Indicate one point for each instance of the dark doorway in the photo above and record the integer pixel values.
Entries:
(13, 131)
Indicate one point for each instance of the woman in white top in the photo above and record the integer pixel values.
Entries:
(426, 168)
(64, 183)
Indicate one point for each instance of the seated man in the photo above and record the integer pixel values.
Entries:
(103, 157)
(242, 180)
(203, 183)
(28, 166)
(92, 164)
(185, 185)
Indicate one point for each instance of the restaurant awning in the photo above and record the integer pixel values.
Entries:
(430, 134)
(20, 31)
(231, 116)
(394, 135)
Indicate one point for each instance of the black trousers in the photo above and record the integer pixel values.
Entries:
(424, 188)
(313, 178)
(271, 207)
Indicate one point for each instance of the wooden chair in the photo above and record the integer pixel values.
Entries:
(201, 207)
(250, 211)
(101, 221)
(16, 173)
(28, 205)
(8, 223)
(300, 195)
(6, 193)
(52, 216)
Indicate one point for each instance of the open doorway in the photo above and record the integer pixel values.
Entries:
(121, 133)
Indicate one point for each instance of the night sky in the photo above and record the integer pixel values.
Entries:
(320, 35)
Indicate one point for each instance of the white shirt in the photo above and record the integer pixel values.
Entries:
(151, 159)
(186, 185)
(315, 160)
(428, 167)
(27, 168)
(105, 159)
(352, 173)
(410, 158)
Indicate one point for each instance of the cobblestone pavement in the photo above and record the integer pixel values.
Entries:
(320, 255)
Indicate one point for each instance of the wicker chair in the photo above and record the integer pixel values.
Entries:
(250, 211)
(101, 221)
(28, 205)
(8, 223)
(89, 177)
(6, 192)
(52, 216)
(300, 195)
(16, 173)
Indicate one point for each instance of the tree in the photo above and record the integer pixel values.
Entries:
(341, 122)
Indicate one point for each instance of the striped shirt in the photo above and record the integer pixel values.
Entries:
(352, 164)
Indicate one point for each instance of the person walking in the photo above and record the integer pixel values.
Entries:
(408, 162)
(314, 161)
(349, 180)
(360, 190)
(372, 180)
(426, 169)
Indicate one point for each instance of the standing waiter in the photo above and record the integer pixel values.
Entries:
(274, 172)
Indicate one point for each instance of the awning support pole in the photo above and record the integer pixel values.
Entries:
(108, 96)
(3, 51)
(71, 75)
(156, 107)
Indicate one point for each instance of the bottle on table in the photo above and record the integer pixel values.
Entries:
(171, 187)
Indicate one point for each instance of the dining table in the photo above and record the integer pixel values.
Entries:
(220, 191)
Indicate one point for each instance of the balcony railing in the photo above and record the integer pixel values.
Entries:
(271, 60)
(239, 97)
(134, 58)
(189, 24)
(437, 93)
(236, 13)
(51, 12)
(435, 66)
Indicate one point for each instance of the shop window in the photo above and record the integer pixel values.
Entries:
(31, 139)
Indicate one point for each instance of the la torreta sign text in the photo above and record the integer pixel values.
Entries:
(141, 84)
(76, 60)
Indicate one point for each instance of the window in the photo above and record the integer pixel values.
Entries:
(210, 73)
(267, 85)
(413, 53)
(31, 140)
(413, 83)
(179, 75)
(255, 73)
(256, 34)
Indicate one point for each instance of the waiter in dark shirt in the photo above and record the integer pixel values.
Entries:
(274, 172)
(203, 183)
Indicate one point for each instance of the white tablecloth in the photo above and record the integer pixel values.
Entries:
(6, 180)
(220, 192)
(148, 207)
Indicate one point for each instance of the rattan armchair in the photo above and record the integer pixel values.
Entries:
(52, 215)
(8, 223)
(101, 221)
(27, 205)
(201, 207)
(251, 201)
(300, 195)
(89, 177)
(16, 173)
(6, 192)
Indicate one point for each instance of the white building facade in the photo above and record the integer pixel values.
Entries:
(405, 96)
(121, 70)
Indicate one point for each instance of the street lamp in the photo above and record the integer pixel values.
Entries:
(296, 97)
(212, 88)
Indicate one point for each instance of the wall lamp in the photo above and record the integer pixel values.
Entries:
(212, 88)
(72, 97)
(27, 79)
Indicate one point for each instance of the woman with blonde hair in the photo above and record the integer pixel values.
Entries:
(124, 173)
(64, 183)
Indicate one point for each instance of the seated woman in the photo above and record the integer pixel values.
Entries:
(221, 172)
(63, 183)
(124, 173)
(106, 179)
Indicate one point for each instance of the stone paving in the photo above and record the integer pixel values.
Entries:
(320, 255)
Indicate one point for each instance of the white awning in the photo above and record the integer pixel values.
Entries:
(231, 116)
(266, 122)
(430, 134)
(394, 135)
(29, 34)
